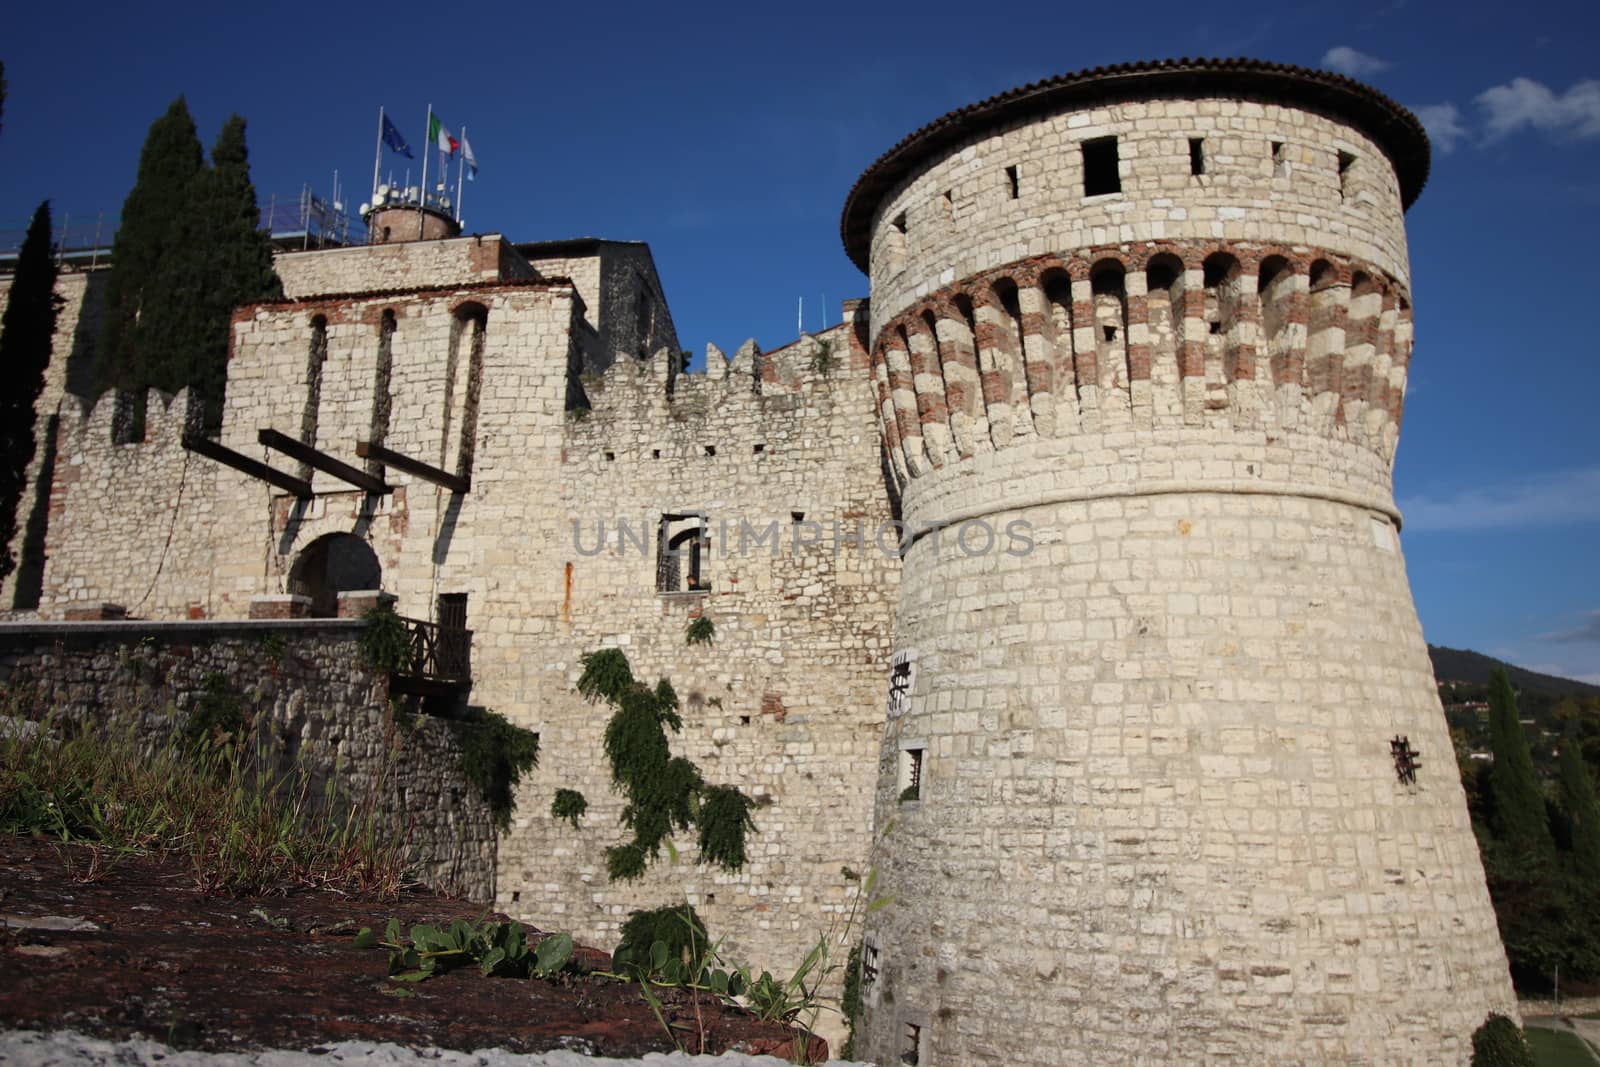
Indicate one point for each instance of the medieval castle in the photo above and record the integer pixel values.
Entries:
(1122, 712)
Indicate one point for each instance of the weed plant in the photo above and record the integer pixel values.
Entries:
(244, 825)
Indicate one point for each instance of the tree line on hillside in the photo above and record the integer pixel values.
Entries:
(189, 250)
(1539, 837)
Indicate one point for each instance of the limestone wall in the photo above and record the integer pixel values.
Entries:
(323, 708)
(1250, 192)
(403, 265)
(786, 704)
(1142, 785)
(70, 372)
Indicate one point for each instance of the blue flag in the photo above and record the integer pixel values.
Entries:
(392, 138)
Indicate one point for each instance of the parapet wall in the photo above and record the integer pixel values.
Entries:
(323, 709)
(131, 522)
(403, 265)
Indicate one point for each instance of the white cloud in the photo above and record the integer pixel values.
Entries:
(1525, 102)
(1443, 123)
(1585, 632)
(1347, 60)
(1542, 500)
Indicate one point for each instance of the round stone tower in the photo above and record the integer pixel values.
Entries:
(1165, 777)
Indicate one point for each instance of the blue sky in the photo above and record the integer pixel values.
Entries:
(728, 138)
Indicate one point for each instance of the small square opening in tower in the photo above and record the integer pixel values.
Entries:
(910, 776)
(1347, 162)
(759, 450)
(711, 450)
(1197, 156)
(1101, 173)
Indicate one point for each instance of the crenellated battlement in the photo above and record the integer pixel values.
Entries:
(785, 383)
(110, 420)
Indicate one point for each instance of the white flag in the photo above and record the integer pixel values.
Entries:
(472, 160)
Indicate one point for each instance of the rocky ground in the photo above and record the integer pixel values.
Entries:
(128, 948)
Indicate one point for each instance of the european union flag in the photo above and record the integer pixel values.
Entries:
(392, 138)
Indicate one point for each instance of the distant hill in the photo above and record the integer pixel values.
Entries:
(1464, 665)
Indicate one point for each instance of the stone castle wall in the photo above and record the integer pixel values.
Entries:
(408, 265)
(322, 708)
(1144, 772)
(70, 372)
(787, 704)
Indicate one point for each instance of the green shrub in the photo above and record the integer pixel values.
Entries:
(606, 675)
(724, 821)
(494, 756)
(677, 926)
(701, 631)
(384, 644)
(569, 804)
(1499, 1043)
(217, 719)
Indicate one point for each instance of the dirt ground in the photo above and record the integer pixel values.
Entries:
(131, 948)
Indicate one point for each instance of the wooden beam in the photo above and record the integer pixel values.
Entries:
(426, 471)
(205, 446)
(322, 461)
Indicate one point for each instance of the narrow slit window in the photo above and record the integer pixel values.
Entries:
(1011, 181)
(1347, 162)
(911, 1045)
(1100, 167)
(1280, 160)
(1197, 156)
(910, 779)
(655, 453)
(870, 961)
(950, 205)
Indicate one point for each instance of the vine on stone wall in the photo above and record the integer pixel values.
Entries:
(569, 804)
(494, 756)
(664, 793)
(383, 642)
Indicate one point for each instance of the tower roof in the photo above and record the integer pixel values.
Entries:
(1395, 129)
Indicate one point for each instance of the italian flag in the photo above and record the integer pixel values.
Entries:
(441, 136)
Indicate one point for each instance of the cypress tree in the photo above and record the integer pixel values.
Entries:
(217, 258)
(1520, 817)
(171, 159)
(26, 332)
(1581, 809)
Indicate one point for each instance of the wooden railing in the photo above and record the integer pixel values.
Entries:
(440, 654)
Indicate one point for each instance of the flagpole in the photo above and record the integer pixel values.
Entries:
(461, 172)
(423, 199)
(377, 155)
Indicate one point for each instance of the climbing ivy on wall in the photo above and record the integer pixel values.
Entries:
(664, 793)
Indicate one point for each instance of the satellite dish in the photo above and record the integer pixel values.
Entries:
(365, 208)
(383, 191)
(338, 205)
(444, 201)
